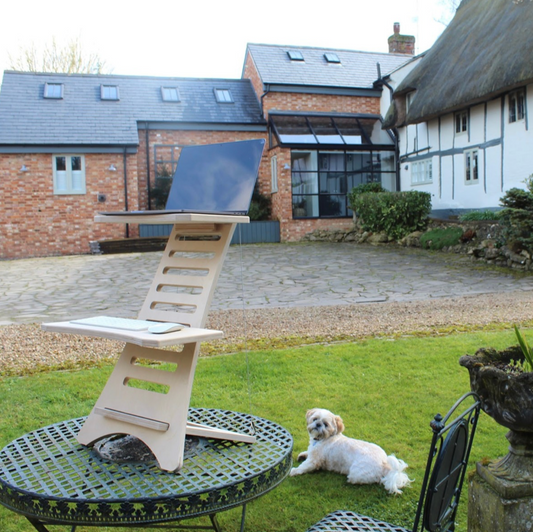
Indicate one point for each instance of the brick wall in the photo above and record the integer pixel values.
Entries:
(294, 230)
(35, 222)
(188, 138)
(320, 103)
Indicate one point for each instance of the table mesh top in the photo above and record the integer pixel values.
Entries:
(47, 473)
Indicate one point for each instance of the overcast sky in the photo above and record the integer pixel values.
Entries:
(207, 38)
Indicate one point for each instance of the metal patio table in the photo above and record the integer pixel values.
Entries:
(48, 477)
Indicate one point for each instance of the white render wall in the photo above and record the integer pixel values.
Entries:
(505, 156)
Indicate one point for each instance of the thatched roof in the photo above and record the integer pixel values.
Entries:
(485, 51)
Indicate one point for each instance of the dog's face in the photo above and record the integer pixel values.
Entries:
(322, 424)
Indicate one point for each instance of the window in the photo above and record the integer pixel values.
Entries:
(170, 94)
(274, 174)
(109, 92)
(331, 57)
(422, 172)
(223, 96)
(409, 100)
(517, 106)
(471, 167)
(295, 55)
(322, 180)
(69, 174)
(53, 90)
(461, 122)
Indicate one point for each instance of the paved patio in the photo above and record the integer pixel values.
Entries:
(253, 276)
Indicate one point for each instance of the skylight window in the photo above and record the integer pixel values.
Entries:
(331, 57)
(109, 92)
(295, 55)
(223, 96)
(170, 94)
(53, 90)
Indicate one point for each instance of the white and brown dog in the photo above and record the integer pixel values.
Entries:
(363, 462)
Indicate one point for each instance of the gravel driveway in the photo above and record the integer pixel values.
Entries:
(318, 292)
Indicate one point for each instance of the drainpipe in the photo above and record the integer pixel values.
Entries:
(262, 97)
(126, 192)
(147, 137)
(394, 130)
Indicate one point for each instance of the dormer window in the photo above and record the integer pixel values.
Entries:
(53, 90)
(109, 92)
(223, 96)
(295, 55)
(170, 94)
(330, 57)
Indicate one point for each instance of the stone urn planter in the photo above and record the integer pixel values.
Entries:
(506, 395)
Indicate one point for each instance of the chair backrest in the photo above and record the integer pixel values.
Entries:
(446, 466)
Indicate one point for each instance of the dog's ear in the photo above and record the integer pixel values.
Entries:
(339, 423)
(310, 413)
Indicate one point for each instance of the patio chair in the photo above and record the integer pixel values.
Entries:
(441, 488)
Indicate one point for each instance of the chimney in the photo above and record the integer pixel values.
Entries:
(401, 44)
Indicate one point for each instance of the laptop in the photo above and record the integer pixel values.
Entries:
(212, 179)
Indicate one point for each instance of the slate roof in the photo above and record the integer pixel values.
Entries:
(484, 52)
(82, 118)
(356, 70)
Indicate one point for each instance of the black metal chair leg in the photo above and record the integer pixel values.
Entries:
(214, 522)
(37, 525)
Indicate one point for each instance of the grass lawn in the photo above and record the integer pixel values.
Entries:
(386, 390)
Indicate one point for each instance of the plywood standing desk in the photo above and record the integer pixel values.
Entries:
(181, 291)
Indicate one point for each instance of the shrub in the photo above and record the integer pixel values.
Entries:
(517, 217)
(475, 216)
(441, 238)
(260, 207)
(394, 213)
(364, 188)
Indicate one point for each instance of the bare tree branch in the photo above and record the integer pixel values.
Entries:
(69, 59)
(448, 9)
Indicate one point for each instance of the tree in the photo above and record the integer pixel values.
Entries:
(69, 59)
(448, 9)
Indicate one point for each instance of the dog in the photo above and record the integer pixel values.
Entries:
(362, 462)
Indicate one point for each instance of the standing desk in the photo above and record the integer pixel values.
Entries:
(181, 291)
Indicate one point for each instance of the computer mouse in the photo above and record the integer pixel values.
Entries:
(161, 328)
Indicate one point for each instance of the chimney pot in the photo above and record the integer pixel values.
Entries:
(396, 27)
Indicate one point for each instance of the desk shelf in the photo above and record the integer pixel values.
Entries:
(142, 338)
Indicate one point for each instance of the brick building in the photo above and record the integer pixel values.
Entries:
(74, 145)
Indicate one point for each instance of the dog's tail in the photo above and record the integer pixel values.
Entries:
(395, 479)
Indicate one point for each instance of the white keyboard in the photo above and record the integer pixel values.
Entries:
(115, 323)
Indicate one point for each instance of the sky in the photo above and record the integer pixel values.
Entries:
(207, 38)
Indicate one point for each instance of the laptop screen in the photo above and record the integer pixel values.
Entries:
(216, 177)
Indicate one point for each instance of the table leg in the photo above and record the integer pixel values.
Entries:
(243, 516)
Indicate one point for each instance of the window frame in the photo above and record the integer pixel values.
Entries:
(104, 92)
(423, 167)
(462, 122)
(274, 174)
(166, 91)
(50, 94)
(471, 170)
(296, 55)
(221, 91)
(70, 189)
(332, 57)
(517, 106)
